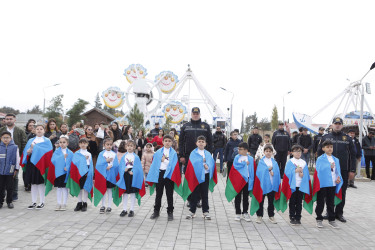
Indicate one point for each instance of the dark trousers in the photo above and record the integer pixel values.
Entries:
(229, 166)
(201, 191)
(243, 195)
(253, 152)
(326, 194)
(280, 158)
(271, 208)
(339, 211)
(168, 184)
(295, 204)
(6, 183)
(220, 152)
(368, 159)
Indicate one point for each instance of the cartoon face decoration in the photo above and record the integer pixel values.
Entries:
(176, 111)
(113, 97)
(135, 72)
(167, 81)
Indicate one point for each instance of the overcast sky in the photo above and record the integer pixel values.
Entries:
(257, 49)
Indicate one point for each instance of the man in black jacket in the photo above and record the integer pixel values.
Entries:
(306, 142)
(219, 140)
(343, 149)
(282, 144)
(155, 131)
(254, 141)
(358, 153)
(368, 145)
(317, 139)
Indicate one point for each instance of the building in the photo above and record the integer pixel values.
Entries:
(23, 118)
(96, 115)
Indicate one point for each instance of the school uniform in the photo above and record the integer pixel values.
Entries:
(295, 203)
(244, 193)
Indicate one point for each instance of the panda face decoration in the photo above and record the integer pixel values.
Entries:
(167, 81)
(135, 72)
(113, 97)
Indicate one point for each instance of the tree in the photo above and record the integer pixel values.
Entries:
(109, 110)
(35, 110)
(167, 125)
(254, 120)
(247, 126)
(75, 113)
(98, 103)
(8, 110)
(274, 119)
(55, 109)
(242, 124)
(136, 118)
(264, 125)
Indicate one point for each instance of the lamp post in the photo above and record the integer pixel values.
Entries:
(44, 95)
(284, 104)
(231, 107)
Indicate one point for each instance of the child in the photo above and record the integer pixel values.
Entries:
(241, 181)
(61, 160)
(131, 177)
(296, 183)
(229, 148)
(267, 180)
(9, 167)
(165, 172)
(147, 156)
(37, 157)
(149, 138)
(105, 176)
(327, 184)
(200, 176)
(81, 171)
(260, 152)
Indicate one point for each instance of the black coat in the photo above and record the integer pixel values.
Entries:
(219, 140)
(281, 141)
(305, 141)
(229, 149)
(317, 139)
(254, 141)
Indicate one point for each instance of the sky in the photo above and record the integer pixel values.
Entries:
(259, 50)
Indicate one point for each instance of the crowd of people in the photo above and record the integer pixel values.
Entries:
(92, 162)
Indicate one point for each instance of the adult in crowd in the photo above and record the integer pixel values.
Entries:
(93, 146)
(358, 153)
(219, 141)
(254, 141)
(316, 140)
(116, 131)
(188, 138)
(174, 142)
(19, 138)
(64, 129)
(155, 131)
(159, 138)
(343, 149)
(30, 125)
(96, 128)
(282, 144)
(127, 133)
(52, 132)
(368, 145)
(141, 142)
(175, 134)
(296, 136)
(74, 135)
(306, 142)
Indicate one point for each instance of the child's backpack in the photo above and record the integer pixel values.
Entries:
(235, 152)
(73, 141)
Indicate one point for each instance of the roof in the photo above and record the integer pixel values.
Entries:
(103, 112)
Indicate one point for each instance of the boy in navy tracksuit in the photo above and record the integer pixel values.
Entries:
(9, 166)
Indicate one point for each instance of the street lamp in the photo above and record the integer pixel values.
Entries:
(284, 104)
(44, 95)
(231, 107)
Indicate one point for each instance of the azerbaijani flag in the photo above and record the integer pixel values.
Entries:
(263, 185)
(172, 172)
(239, 175)
(323, 178)
(195, 172)
(102, 175)
(289, 185)
(40, 157)
(56, 167)
(78, 168)
(138, 178)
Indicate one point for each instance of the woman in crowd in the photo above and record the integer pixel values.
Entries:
(93, 146)
(52, 132)
(127, 133)
(159, 138)
(140, 141)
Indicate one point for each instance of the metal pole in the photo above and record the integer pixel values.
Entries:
(283, 109)
(231, 113)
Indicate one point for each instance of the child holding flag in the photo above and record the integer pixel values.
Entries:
(200, 177)
(296, 186)
(57, 173)
(240, 181)
(81, 172)
(327, 184)
(266, 183)
(105, 176)
(165, 173)
(37, 157)
(131, 182)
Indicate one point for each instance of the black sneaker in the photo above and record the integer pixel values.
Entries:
(341, 218)
(170, 216)
(10, 205)
(41, 206)
(298, 222)
(154, 215)
(108, 210)
(292, 221)
(32, 206)
(131, 214)
(84, 207)
(123, 213)
(102, 210)
(78, 207)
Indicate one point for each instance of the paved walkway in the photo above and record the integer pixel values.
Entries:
(47, 229)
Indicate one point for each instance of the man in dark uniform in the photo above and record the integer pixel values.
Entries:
(282, 144)
(343, 149)
(254, 141)
(155, 131)
(358, 153)
(188, 137)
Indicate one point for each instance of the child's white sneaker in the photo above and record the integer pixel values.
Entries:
(246, 217)
(206, 216)
(272, 220)
(63, 208)
(259, 220)
(190, 216)
(237, 217)
(58, 207)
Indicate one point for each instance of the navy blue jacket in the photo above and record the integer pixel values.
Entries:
(8, 158)
(229, 149)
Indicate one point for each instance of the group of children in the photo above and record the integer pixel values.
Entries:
(121, 177)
